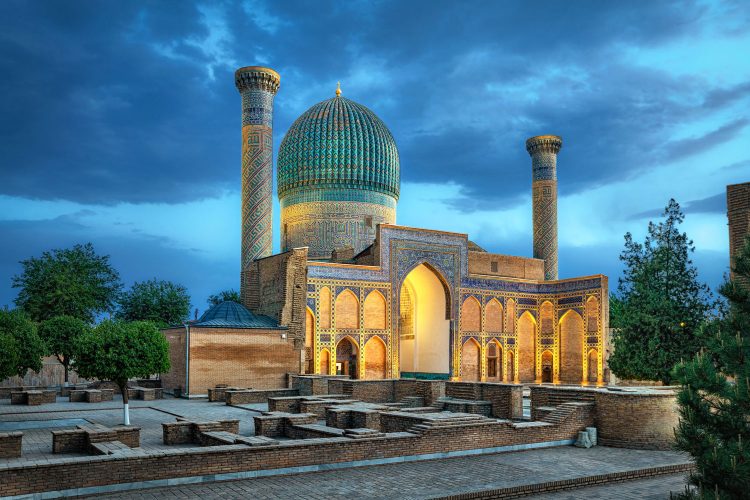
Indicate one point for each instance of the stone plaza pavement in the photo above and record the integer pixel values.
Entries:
(37, 422)
(448, 477)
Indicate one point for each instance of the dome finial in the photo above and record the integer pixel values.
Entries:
(338, 89)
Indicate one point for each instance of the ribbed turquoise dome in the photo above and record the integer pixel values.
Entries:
(338, 144)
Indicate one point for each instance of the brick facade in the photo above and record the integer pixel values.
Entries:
(252, 358)
(738, 214)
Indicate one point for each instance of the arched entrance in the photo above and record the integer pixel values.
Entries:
(470, 361)
(424, 325)
(309, 341)
(375, 364)
(571, 348)
(346, 357)
(527, 348)
(325, 362)
(494, 361)
(546, 367)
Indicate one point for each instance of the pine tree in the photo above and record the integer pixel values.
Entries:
(715, 397)
(661, 303)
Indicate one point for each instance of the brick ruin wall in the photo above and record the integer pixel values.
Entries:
(276, 286)
(103, 470)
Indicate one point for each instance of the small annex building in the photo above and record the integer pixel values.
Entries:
(229, 345)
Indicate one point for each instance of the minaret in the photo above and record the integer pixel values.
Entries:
(257, 86)
(543, 150)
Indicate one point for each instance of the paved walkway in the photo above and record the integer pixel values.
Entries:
(439, 478)
(655, 488)
(37, 422)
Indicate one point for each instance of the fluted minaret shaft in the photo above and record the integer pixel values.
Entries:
(257, 86)
(543, 150)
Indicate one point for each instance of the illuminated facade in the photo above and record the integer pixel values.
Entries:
(362, 296)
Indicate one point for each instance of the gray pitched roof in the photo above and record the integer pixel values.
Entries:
(230, 314)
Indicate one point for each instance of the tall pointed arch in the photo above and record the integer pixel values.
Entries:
(471, 315)
(493, 316)
(347, 311)
(375, 311)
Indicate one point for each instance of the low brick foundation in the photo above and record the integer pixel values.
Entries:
(353, 447)
(244, 397)
(33, 397)
(186, 431)
(642, 418)
(10, 444)
(80, 440)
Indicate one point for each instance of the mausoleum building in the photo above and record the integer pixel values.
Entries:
(353, 293)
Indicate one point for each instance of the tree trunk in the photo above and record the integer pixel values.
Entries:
(125, 407)
(65, 367)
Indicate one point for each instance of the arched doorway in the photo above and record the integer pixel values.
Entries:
(571, 348)
(527, 348)
(424, 336)
(546, 367)
(471, 369)
(309, 340)
(593, 362)
(325, 362)
(375, 362)
(494, 361)
(346, 357)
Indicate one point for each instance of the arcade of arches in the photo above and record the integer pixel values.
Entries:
(537, 347)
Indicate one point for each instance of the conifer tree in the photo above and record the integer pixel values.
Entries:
(715, 399)
(661, 303)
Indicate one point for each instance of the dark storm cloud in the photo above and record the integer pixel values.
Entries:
(106, 102)
(688, 147)
(716, 204)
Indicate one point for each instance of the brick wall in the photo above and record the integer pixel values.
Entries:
(638, 418)
(175, 378)
(10, 444)
(103, 470)
(259, 359)
(643, 420)
(507, 266)
(52, 373)
(738, 214)
(276, 286)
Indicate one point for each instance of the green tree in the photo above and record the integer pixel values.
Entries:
(224, 296)
(8, 355)
(714, 400)
(73, 281)
(118, 351)
(60, 334)
(662, 303)
(25, 348)
(162, 302)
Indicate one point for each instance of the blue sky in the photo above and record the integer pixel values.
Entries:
(120, 122)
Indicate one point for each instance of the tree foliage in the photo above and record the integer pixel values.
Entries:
(662, 304)
(73, 281)
(118, 351)
(715, 397)
(224, 296)
(60, 335)
(161, 302)
(22, 349)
